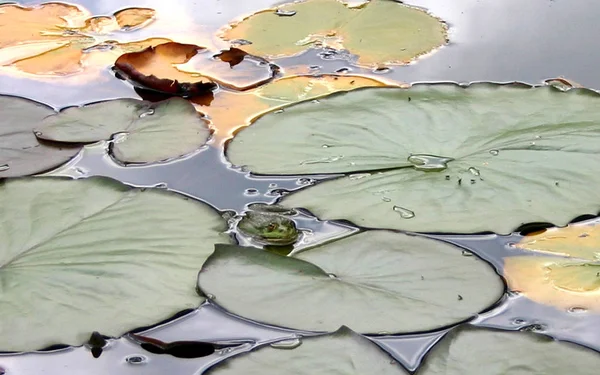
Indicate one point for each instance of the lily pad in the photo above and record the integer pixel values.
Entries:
(437, 158)
(569, 281)
(147, 132)
(373, 282)
(56, 38)
(21, 153)
(467, 351)
(343, 352)
(378, 31)
(189, 70)
(94, 255)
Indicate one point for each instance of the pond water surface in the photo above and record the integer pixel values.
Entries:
(500, 41)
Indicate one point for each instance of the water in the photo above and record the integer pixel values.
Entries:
(490, 41)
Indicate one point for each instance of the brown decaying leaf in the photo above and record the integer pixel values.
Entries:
(52, 38)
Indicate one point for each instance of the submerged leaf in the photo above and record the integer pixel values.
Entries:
(411, 284)
(441, 158)
(21, 153)
(94, 255)
(148, 132)
(379, 31)
(342, 352)
(134, 18)
(568, 282)
(231, 110)
(467, 351)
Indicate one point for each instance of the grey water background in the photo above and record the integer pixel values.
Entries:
(499, 41)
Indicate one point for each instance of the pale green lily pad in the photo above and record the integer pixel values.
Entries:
(440, 158)
(21, 153)
(473, 351)
(373, 282)
(342, 352)
(146, 132)
(78, 256)
(379, 31)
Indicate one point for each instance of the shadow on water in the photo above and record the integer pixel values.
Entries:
(503, 41)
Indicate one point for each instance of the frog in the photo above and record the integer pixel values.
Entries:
(268, 227)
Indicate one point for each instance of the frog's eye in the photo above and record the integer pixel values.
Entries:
(271, 227)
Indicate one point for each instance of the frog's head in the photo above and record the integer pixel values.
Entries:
(270, 228)
(280, 232)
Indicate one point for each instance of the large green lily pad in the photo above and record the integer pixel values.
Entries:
(373, 282)
(468, 351)
(148, 132)
(379, 31)
(21, 153)
(438, 158)
(342, 352)
(78, 256)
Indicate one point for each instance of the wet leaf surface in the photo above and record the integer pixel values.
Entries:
(21, 153)
(189, 70)
(411, 284)
(143, 132)
(343, 352)
(466, 351)
(571, 279)
(71, 265)
(53, 38)
(439, 157)
(379, 31)
(231, 110)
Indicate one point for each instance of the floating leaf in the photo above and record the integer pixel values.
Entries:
(569, 282)
(190, 70)
(343, 352)
(468, 351)
(231, 110)
(52, 38)
(379, 31)
(411, 284)
(442, 158)
(93, 255)
(21, 153)
(148, 132)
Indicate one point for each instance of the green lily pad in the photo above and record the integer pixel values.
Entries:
(373, 282)
(466, 351)
(379, 31)
(437, 158)
(78, 256)
(147, 132)
(342, 352)
(21, 153)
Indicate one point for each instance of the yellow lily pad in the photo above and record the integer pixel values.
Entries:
(570, 280)
(379, 32)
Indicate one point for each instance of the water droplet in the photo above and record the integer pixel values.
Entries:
(535, 328)
(358, 176)
(38, 133)
(327, 146)
(332, 276)
(287, 344)
(532, 144)
(285, 13)
(279, 111)
(149, 112)
(494, 152)
(538, 137)
(4, 167)
(447, 178)
(577, 310)
(386, 199)
(223, 351)
(211, 296)
(161, 185)
(315, 67)
(404, 213)
(251, 192)
(429, 163)
(467, 253)
(519, 322)
(330, 159)
(343, 70)
(382, 70)
(136, 359)
(316, 101)
(474, 171)
(304, 181)
(272, 185)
